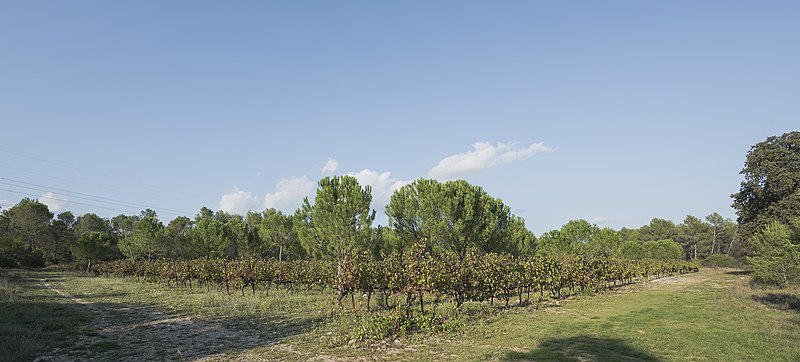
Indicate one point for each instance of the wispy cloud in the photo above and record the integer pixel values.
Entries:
(53, 201)
(599, 220)
(484, 155)
(238, 201)
(289, 194)
(329, 167)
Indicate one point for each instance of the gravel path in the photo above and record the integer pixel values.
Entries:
(120, 332)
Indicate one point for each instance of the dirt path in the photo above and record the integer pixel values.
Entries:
(121, 332)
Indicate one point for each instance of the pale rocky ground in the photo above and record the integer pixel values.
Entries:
(121, 332)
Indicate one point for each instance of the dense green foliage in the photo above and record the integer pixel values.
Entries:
(337, 225)
(339, 221)
(661, 239)
(771, 187)
(453, 216)
(94, 246)
(723, 261)
(777, 254)
(473, 220)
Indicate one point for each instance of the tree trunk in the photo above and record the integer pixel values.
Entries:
(280, 254)
(339, 299)
(730, 246)
(714, 241)
(339, 273)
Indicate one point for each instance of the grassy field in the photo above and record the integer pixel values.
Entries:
(713, 315)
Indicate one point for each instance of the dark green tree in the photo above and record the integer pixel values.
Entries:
(177, 237)
(210, 238)
(776, 254)
(338, 222)
(771, 187)
(240, 235)
(279, 236)
(573, 238)
(629, 234)
(663, 249)
(339, 217)
(605, 243)
(523, 240)
(451, 217)
(630, 249)
(695, 236)
(94, 246)
(658, 229)
(30, 220)
(63, 233)
(147, 240)
(122, 225)
(91, 222)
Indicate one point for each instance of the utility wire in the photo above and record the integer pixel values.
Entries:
(154, 187)
(84, 195)
(70, 201)
(80, 183)
(92, 185)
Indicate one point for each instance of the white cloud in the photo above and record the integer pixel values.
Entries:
(599, 220)
(289, 194)
(329, 167)
(4, 204)
(53, 201)
(238, 201)
(483, 156)
(383, 185)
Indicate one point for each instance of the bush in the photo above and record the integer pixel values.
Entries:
(666, 249)
(398, 323)
(722, 261)
(777, 254)
(13, 254)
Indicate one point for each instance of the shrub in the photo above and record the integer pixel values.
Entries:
(13, 253)
(722, 261)
(777, 254)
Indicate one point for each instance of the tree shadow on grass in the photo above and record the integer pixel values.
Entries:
(37, 321)
(29, 328)
(740, 272)
(783, 301)
(582, 348)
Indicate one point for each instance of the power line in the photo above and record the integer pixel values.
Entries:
(73, 202)
(127, 211)
(154, 187)
(79, 183)
(84, 195)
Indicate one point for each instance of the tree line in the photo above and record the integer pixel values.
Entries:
(446, 217)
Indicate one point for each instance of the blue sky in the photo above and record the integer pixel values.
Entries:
(615, 112)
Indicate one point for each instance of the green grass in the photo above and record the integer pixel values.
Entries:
(33, 320)
(713, 315)
(709, 316)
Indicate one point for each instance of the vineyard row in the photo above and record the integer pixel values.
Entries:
(474, 277)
